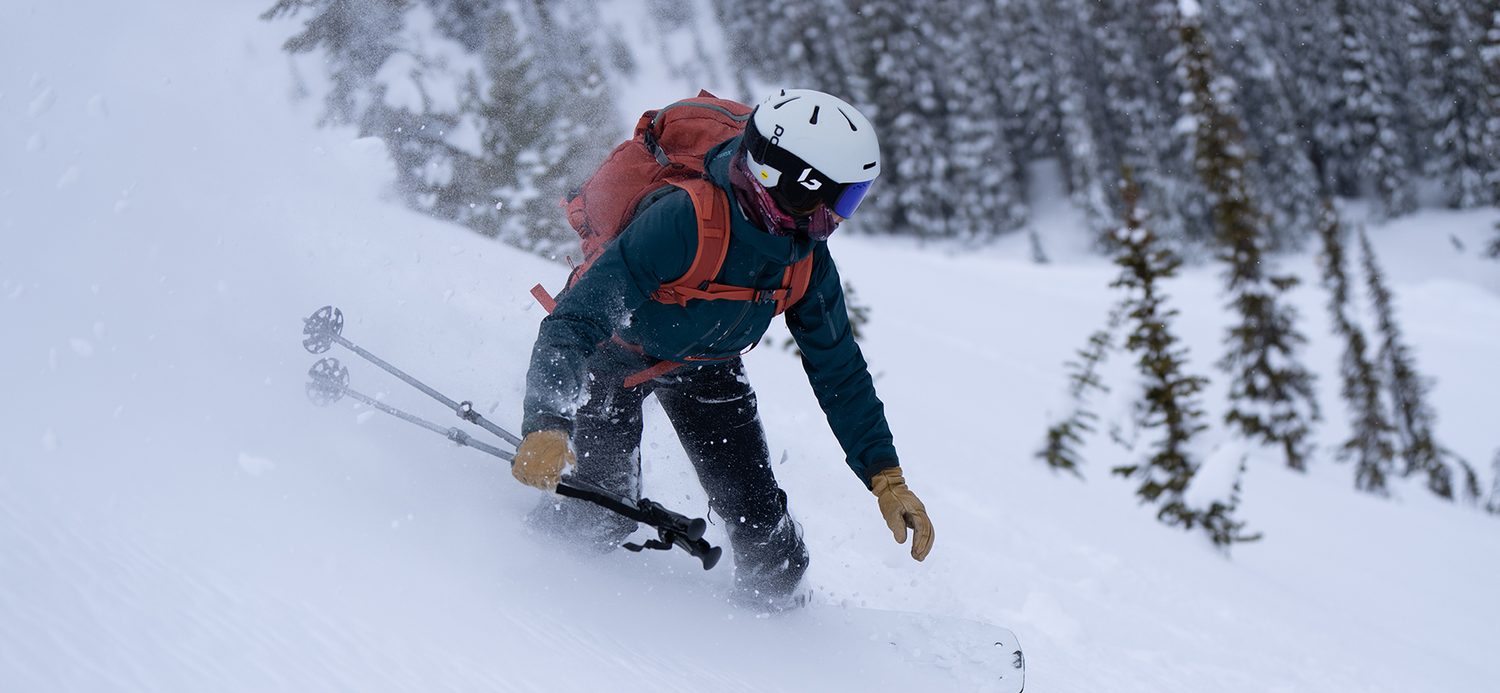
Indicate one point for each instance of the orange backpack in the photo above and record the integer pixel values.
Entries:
(668, 150)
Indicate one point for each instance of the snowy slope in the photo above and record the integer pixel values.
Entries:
(175, 517)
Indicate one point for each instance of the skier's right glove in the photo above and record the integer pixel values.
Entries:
(542, 458)
(902, 509)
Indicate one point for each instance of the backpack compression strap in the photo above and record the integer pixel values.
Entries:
(712, 207)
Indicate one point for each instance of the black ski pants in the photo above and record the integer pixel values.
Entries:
(713, 411)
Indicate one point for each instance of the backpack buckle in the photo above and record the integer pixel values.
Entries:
(765, 295)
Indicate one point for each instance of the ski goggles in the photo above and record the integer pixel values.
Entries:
(756, 198)
(800, 193)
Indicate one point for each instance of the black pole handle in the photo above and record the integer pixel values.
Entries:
(674, 529)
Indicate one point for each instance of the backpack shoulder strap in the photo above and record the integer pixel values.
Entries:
(712, 208)
(798, 276)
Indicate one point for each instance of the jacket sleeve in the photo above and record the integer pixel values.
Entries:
(837, 371)
(656, 248)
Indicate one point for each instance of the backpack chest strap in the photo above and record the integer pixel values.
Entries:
(793, 286)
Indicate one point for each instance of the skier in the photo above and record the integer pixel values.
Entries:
(802, 166)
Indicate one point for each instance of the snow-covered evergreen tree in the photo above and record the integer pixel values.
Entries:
(396, 78)
(1169, 402)
(1301, 35)
(1271, 393)
(806, 44)
(681, 47)
(900, 61)
(576, 80)
(1371, 441)
(1489, 55)
(1493, 504)
(1413, 417)
(1338, 97)
(519, 162)
(479, 131)
(1361, 135)
(1085, 163)
(742, 24)
(356, 38)
(1133, 87)
(987, 195)
(1449, 83)
(1060, 450)
(1281, 171)
(1488, 17)
(1022, 47)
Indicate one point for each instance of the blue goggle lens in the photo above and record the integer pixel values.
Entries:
(849, 199)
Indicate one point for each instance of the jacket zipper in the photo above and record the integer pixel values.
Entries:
(745, 312)
(735, 327)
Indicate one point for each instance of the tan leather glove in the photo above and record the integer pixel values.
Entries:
(902, 509)
(542, 458)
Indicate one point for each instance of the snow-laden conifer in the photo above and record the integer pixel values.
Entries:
(1271, 392)
(1412, 414)
(1169, 405)
(1371, 443)
(1060, 450)
(1449, 83)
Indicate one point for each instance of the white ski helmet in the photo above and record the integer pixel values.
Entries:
(807, 147)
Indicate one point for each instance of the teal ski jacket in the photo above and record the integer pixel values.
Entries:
(615, 296)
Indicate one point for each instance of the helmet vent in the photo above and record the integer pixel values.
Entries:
(847, 118)
(814, 120)
(871, 165)
(783, 103)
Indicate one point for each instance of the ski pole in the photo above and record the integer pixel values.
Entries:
(325, 328)
(330, 382)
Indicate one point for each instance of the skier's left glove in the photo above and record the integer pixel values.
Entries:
(902, 510)
(542, 458)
